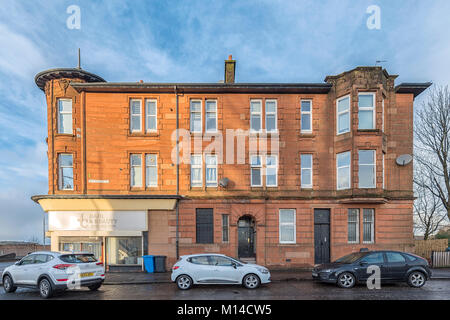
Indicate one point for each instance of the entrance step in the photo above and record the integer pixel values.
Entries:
(248, 260)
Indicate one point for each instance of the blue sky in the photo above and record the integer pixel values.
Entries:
(187, 41)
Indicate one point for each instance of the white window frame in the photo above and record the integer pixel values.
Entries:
(208, 112)
(148, 115)
(276, 171)
(201, 115)
(135, 114)
(355, 222)
(211, 166)
(374, 168)
(306, 112)
(133, 166)
(294, 224)
(349, 171)
(256, 113)
(343, 112)
(302, 185)
(382, 115)
(252, 166)
(60, 170)
(372, 229)
(373, 109)
(60, 113)
(147, 184)
(198, 183)
(274, 113)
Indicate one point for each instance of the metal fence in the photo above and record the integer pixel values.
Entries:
(440, 259)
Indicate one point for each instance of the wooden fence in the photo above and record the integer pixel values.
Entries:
(424, 248)
(440, 259)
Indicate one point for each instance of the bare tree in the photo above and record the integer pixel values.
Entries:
(429, 213)
(432, 145)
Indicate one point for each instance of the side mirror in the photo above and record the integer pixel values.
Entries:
(17, 263)
(363, 263)
(234, 265)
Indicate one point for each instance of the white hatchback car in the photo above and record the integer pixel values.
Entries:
(217, 269)
(50, 271)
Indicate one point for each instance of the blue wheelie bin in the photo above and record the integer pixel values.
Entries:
(149, 263)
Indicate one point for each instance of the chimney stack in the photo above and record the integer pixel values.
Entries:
(230, 69)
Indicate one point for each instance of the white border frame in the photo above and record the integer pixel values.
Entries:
(306, 112)
(131, 166)
(349, 174)
(276, 170)
(147, 115)
(59, 116)
(374, 168)
(261, 168)
(276, 115)
(60, 175)
(134, 114)
(358, 225)
(309, 186)
(201, 115)
(349, 96)
(213, 184)
(373, 109)
(207, 130)
(287, 223)
(260, 115)
(146, 165)
(200, 166)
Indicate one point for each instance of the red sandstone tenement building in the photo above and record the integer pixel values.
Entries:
(333, 186)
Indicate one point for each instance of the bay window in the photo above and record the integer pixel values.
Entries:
(65, 116)
(366, 111)
(343, 170)
(367, 169)
(343, 115)
(65, 162)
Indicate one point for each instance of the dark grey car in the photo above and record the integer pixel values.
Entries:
(394, 266)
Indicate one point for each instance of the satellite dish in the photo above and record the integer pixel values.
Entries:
(404, 159)
(224, 182)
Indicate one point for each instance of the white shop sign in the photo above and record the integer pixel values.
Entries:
(97, 220)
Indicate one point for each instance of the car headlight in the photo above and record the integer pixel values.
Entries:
(263, 270)
(326, 270)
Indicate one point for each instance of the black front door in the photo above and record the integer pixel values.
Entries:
(246, 238)
(321, 236)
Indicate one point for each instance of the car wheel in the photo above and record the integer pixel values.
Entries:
(346, 280)
(95, 287)
(184, 282)
(45, 288)
(8, 284)
(416, 279)
(251, 281)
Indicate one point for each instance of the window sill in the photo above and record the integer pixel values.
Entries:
(369, 131)
(306, 135)
(143, 135)
(64, 135)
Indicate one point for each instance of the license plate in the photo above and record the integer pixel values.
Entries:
(86, 274)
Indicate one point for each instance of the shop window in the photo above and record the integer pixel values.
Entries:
(124, 250)
(204, 226)
(65, 116)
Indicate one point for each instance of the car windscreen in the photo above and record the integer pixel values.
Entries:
(352, 257)
(78, 258)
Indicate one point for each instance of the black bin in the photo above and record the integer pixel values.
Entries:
(160, 263)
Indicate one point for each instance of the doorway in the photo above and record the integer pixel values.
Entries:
(246, 237)
(321, 236)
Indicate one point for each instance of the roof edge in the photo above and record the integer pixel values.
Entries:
(36, 198)
(415, 88)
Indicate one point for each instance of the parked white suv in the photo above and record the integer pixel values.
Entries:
(217, 269)
(50, 271)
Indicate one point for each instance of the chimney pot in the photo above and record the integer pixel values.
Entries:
(230, 57)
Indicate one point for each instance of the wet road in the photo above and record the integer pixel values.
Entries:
(308, 290)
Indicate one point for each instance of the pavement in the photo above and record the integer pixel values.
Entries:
(116, 278)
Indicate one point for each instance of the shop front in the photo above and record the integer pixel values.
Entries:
(115, 231)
